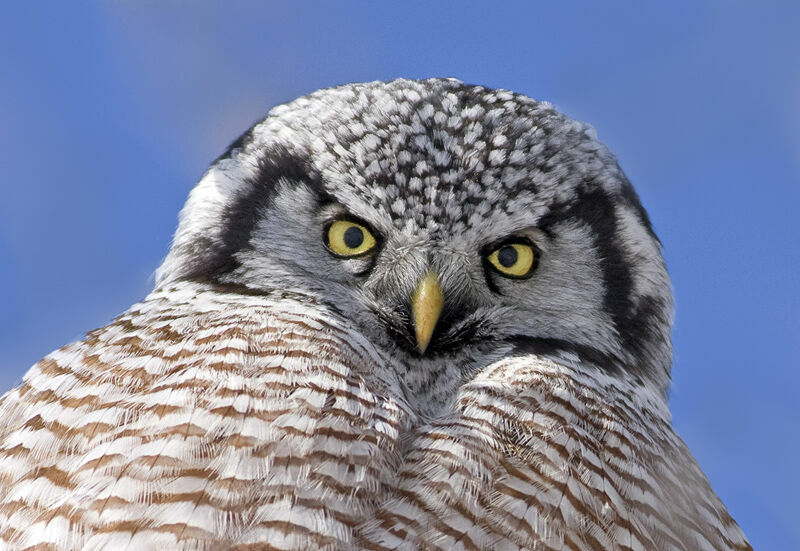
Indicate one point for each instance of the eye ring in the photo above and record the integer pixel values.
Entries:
(346, 238)
(513, 258)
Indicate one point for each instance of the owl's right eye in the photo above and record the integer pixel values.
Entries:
(348, 239)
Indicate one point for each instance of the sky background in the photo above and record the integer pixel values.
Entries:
(109, 112)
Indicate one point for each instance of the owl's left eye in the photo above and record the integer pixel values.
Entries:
(348, 239)
(515, 260)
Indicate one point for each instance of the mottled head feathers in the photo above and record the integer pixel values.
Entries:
(441, 172)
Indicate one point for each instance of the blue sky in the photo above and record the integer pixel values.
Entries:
(109, 112)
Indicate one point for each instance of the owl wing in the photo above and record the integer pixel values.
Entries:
(541, 455)
(197, 420)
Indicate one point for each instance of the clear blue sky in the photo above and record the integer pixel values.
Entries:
(109, 112)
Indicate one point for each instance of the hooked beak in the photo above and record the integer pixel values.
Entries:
(426, 306)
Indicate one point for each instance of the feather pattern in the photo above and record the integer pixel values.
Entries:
(196, 421)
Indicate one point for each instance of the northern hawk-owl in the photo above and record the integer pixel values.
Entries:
(403, 315)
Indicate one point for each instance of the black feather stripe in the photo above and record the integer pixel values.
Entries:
(240, 218)
(593, 207)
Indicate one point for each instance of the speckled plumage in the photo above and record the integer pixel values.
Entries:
(268, 395)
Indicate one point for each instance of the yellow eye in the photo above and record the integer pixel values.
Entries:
(346, 239)
(514, 259)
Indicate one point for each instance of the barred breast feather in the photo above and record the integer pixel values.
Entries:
(198, 420)
(207, 419)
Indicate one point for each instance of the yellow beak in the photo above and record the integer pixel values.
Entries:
(426, 305)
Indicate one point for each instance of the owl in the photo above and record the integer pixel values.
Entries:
(414, 315)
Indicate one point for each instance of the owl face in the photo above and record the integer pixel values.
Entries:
(450, 223)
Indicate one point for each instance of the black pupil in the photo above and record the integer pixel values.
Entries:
(507, 256)
(353, 237)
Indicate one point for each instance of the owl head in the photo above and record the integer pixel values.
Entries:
(450, 224)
